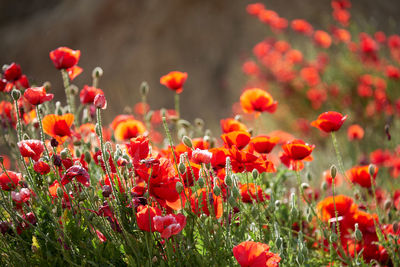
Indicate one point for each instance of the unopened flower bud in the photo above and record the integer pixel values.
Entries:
(333, 171)
(182, 168)
(199, 122)
(60, 192)
(97, 72)
(254, 173)
(179, 187)
(100, 101)
(371, 169)
(305, 185)
(388, 204)
(357, 233)
(64, 153)
(15, 94)
(187, 141)
(278, 242)
(333, 238)
(395, 227)
(232, 201)
(235, 192)
(73, 89)
(217, 190)
(200, 181)
(324, 185)
(144, 88)
(228, 180)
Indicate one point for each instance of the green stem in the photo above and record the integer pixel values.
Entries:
(177, 105)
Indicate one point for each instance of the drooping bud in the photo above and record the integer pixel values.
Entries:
(305, 185)
(228, 180)
(97, 72)
(15, 94)
(217, 190)
(179, 187)
(333, 171)
(388, 204)
(144, 88)
(254, 173)
(64, 153)
(372, 169)
(200, 181)
(187, 141)
(395, 227)
(324, 185)
(182, 168)
(232, 201)
(199, 122)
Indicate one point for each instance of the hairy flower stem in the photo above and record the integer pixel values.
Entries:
(68, 93)
(339, 157)
(41, 131)
(19, 126)
(177, 105)
(334, 206)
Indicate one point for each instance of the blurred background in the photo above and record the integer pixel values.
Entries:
(135, 41)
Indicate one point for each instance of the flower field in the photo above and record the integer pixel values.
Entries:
(303, 173)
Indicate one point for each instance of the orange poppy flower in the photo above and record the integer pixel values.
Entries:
(120, 118)
(129, 129)
(257, 100)
(361, 176)
(330, 121)
(298, 149)
(58, 126)
(263, 144)
(174, 81)
(322, 39)
(355, 132)
(201, 200)
(230, 125)
(237, 138)
(255, 254)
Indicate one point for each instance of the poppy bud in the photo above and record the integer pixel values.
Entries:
(395, 227)
(255, 174)
(309, 177)
(97, 72)
(179, 187)
(278, 203)
(294, 212)
(333, 238)
(144, 88)
(106, 191)
(88, 157)
(279, 242)
(333, 171)
(182, 168)
(232, 201)
(64, 153)
(100, 101)
(200, 181)
(187, 141)
(73, 89)
(235, 192)
(54, 142)
(388, 204)
(217, 190)
(15, 94)
(228, 180)
(305, 185)
(357, 233)
(60, 192)
(309, 217)
(372, 170)
(199, 122)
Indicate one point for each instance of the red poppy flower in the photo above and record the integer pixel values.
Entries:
(201, 156)
(74, 72)
(64, 57)
(174, 81)
(263, 144)
(201, 200)
(355, 132)
(257, 100)
(231, 125)
(138, 148)
(129, 129)
(302, 26)
(58, 126)
(249, 194)
(22, 196)
(360, 175)
(13, 72)
(77, 172)
(297, 149)
(88, 93)
(145, 216)
(330, 121)
(255, 9)
(169, 225)
(41, 167)
(37, 95)
(322, 39)
(9, 180)
(31, 149)
(120, 118)
(255, 254)
(100, 101)
(237, 138)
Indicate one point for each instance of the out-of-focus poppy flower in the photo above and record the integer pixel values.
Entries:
(322, 39)
(249, 67)
(3, 84)
(41, 167)
(141, 108)
(392, 72)
(31, 148)
(9, 180)
(138, 148)
(201, 202)
(355, 132)
(129, 129)
(250, 193)
(263, 144)
(7, 114)
(120, 118)
(169, 225)
(22, 196)
(237, 138)
(342, 35)
(74, 72)
(297, 149)
(330, 121)
(13, 72)
(361, 176)
(88, 93)
(174, 81)
(77, 172)
(201, 156)
(342, 16)
(302, 26)
(37, 95)
(380, 157)
(257, 100)
(230, 125)
(255, 9)
(58, 126)
(255, 254)
(294, 56)
(145, 216)
(310, 75)
(64, 57)
(380, 37)
(6, 161)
